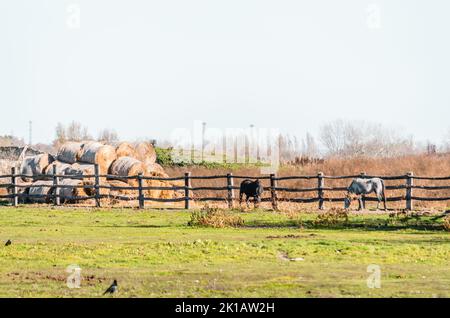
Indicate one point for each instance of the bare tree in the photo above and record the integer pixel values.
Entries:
(73, 132)
(309, 146)
(431, 148)
(60, 135)
(288, 147)
(333, 137)
(76, 132)
(108, 136)
(446, 141)
(9, 140)
(349, 139)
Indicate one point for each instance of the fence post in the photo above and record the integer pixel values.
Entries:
(273, 191)
(363, 175)
(320, 185)
(141, 192)
(230, 190)
(56, 196)
(409, 190)
(187, 185)
(97, 186)
(15, 199)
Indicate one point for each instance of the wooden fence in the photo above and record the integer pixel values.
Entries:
(228, 188)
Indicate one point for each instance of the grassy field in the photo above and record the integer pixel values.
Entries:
(156, 254)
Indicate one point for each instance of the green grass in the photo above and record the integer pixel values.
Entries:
(155, 254)
(165, 158)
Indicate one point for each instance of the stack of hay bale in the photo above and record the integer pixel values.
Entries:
(132, 160)
(78, 159)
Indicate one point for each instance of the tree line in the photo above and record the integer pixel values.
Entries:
(338, 138)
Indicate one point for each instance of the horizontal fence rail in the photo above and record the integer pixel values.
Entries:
(18, 190)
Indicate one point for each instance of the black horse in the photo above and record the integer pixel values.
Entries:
(252, 189)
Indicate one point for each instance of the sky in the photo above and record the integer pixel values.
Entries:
(145, 68)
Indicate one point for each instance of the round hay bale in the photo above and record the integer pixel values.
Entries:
(35, 165)
(157, 193)
(4, 189)
(61, 168)
(154, 193)
(69, 193)
(91, 190)
(125, 167)
(43, 188)
(123, 192)
(146, 153)
(98, 153)
(167, 194)
(155, 169)
(125, 149)
(7, 189)
(69, 152)
(85, 169)
(80, 169)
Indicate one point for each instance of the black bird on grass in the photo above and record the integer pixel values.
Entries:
(111, 289)
(8, 243)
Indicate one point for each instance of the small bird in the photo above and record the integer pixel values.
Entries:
(8, 243)
(111, 289)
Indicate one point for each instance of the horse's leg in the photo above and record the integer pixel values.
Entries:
(360, 201)
(240, 198)
(247, 200)
(381, 195)
(384, 197)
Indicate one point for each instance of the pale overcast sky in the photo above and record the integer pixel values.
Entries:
(146, 67)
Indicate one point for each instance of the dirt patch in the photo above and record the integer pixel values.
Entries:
(89, 280)
(290, 236)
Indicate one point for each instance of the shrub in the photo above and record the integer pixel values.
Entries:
(446, 223)
(214, 217)
(164, 156)
(333, 216)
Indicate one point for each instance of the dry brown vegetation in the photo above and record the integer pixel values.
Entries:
(447, 223)
(213, 216)
(421, 165)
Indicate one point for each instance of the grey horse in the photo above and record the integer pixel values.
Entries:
(362, 187)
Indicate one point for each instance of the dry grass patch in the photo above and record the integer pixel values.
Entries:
(212, 216)
(446, 223)
(333, 216)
